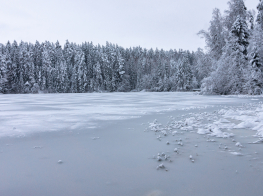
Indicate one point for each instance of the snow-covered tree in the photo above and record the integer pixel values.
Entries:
(3, 70)
(203, 65)
(236, 8)
(260, 14)
(229, 76)
(184, 74)
(251, 19)
(254, 75)
(215, 36)
(10, 70)
(240, 35)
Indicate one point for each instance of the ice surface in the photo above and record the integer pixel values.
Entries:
(23, 114)
(120, 155)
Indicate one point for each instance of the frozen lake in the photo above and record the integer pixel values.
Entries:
(23, 114)
(108, 144)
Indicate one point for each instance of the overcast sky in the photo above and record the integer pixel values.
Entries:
(149, 23)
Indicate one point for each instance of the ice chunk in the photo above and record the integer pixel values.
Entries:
(202, 131)
(236, 153)
(159, 158)
(238, 144)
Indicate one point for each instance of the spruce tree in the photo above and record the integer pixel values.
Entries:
(240, 34)
(236, 8)
(236, 56)
(46, 70)
(10, 70)
(3, 71)
(254, 75)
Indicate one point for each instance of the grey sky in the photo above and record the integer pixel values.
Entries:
(149, 23)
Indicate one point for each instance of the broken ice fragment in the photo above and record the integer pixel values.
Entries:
(159, 158)
(238, 144)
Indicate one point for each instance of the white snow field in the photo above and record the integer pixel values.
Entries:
(132, 144)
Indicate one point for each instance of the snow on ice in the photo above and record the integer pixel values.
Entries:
(21, 114)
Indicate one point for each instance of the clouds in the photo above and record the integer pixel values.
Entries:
(149, 23)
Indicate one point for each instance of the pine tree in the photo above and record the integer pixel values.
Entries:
(98, 77)
(10, 70)
(15, 65)
(79, 59)
(46, 70)
(37, 56)
(3, 71)
(106, 57)
(23, 58)
(69, 62)
(180, 76)
(59, 69)
(184, 74)
(28, 64)
(188, 74)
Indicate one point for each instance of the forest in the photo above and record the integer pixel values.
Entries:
(230, 64)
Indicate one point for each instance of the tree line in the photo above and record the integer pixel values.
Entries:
(47, 67)
(232, 63)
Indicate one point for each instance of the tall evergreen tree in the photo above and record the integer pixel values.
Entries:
(10, 70)
(3, 70)
(236, 8)
(240, 34)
